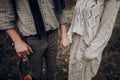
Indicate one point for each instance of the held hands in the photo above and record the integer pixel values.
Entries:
(65, 42)
(22, 48)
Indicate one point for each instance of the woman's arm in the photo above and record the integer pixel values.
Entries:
(106, 27)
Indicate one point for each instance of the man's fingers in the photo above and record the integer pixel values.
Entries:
(19, 55)
(27, 52)
(60, 45)
(66, 45)
(22, 53)
(31, 51)
(63, 46)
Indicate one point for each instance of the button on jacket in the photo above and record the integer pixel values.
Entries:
(25, 21)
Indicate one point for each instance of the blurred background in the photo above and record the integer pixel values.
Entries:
(110, 65)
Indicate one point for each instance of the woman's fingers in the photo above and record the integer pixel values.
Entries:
(65, 42)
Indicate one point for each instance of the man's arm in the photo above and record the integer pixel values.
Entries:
(106, 27)
(64, 37)
(6, 24)
(21, 47)
(65, 41)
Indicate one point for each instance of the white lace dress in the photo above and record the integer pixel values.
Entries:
(90, 31)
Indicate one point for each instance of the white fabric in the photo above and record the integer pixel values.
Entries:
(94, 23)
(91, 28)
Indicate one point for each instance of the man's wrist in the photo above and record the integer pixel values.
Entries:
(64, 35)
(14, 35)
(17, 40)
(64, 30)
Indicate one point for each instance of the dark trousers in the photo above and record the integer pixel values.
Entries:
(43, 48)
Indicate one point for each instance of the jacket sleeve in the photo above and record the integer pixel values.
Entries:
(106, 27)
(62, 19)
(6, 15)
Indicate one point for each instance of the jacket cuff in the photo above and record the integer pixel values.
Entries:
(6, 26)
(63, 19)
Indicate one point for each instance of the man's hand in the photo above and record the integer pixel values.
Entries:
(22, 48)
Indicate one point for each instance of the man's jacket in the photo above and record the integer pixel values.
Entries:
(25, 21)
